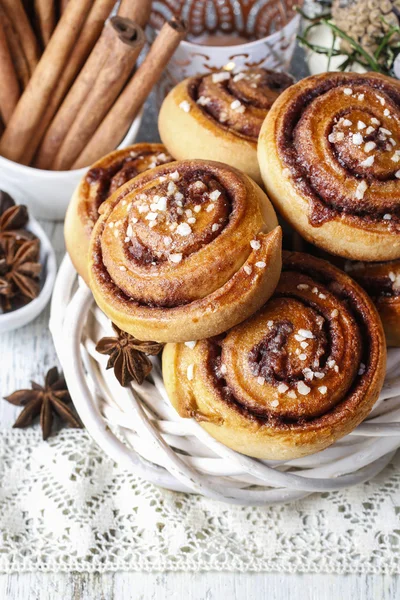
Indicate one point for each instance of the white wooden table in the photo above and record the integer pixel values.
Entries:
(202, 586)
(26, 354)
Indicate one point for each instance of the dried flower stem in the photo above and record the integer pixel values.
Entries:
(381, 61)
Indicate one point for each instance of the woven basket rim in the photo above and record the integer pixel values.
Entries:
(138, 427)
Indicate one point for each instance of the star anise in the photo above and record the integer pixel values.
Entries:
(128, 356)
(13, 219)
(19, 272)
(47, 400)
(5, 201)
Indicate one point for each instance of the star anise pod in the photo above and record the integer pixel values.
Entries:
(19, 272)
(5, 201)
(13, 219)
(47, 400)
(128, 356)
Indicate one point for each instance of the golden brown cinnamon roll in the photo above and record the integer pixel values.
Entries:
(329, 153)
(101, 180)
(219, 116)
(298, 375)
(184, 251)
(382, 283)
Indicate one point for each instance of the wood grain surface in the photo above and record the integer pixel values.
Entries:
(199, 586)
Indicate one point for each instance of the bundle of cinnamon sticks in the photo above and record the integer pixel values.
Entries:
(70, 88)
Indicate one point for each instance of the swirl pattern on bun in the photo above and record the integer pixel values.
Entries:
(329, 153)
(184, 251)
(292, 379)
(100, 181)
(382, 283)
(218, 116)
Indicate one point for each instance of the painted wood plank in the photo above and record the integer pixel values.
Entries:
(197, 586)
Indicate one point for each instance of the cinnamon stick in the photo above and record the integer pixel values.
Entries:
(29, 9)
(32, 104)
(137, 10)
(126, 44)
(114, 126)
(16, 51)
(46, 17)
(63, 6)
(87, 39)
(75, 98)
(9, 88)
(19, 19)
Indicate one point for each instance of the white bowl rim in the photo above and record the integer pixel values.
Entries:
(34, 172)
(24, 315)
(246, 45)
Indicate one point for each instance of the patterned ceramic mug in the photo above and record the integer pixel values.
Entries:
(230, 34)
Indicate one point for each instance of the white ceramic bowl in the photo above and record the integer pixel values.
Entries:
(50, 191)
(193, 56)
(26, 314)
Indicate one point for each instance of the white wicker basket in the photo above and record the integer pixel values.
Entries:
(139, 429)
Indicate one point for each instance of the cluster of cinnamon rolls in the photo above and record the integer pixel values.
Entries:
(277, 354)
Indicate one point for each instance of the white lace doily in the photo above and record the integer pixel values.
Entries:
(65, 506)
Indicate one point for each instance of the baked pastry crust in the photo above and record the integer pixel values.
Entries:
(101, 180)
(184, 251)
(197, 118)
(382, 283)
(298, 375)
(328, 153)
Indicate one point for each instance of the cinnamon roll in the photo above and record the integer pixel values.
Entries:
(382, 283)
(101, 180)
(218, 116)
(329, 153)
(184, 251)
(295, 377)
